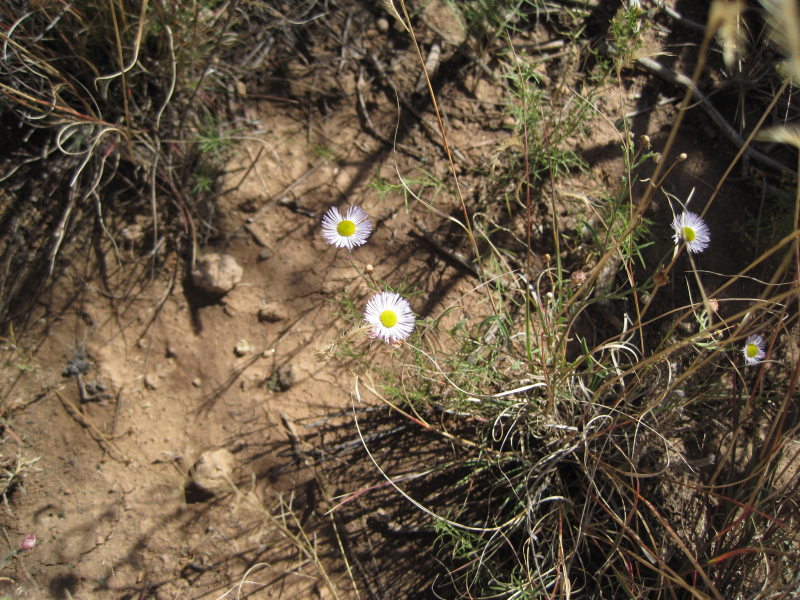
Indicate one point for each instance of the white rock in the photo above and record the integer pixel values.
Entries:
(446, 20)
(151, 381)
(213, 471)
(242, 347)
(216, 273)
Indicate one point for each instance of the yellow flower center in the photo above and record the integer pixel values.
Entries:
(346, 228)
(388, 318)
(688, 234)
(752, 350)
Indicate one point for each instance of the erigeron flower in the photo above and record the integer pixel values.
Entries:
(753, 349)
(349, 231)
(390, 317)
(690, 228)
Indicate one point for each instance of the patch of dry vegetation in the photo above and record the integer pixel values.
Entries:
(607, 439)
(586, 420)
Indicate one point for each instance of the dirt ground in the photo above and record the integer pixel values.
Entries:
(166, 376)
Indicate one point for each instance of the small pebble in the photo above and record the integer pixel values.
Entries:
(242, 347)
(285, 377)
(216, 273)
(383, 25)
(197, 382)
(271, 313)
(213, 471)
(150, 381)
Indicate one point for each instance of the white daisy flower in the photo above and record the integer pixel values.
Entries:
(390, 317)
(753, 349)
(690, 228)
(346, 232)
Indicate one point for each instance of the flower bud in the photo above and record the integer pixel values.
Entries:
(28, 542)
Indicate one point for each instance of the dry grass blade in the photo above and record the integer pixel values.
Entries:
(388, 6)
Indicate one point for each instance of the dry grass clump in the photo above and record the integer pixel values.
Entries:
(609, 438)
(117, 118)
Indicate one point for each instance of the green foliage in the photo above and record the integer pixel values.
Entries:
(487, 20)
(203, 182)
(213, 139)
(544, 130)
(324, 152)
(625, 40)
(421, 183)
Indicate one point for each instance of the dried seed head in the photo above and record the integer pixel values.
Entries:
(724, 17)
(783, 134)
(783, 19)
(578, 278)
(660, 278)
(328, 350)
(388, 6)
